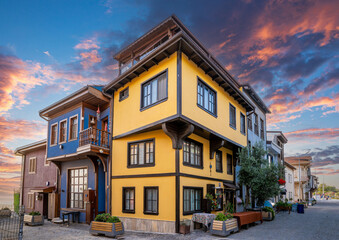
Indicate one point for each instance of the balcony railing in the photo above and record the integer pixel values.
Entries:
(93, 136)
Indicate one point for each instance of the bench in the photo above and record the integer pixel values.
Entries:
(245, 218)
(68, 213)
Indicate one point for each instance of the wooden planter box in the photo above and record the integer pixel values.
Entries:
(33, 220)
(107, 229)
(267, 216)
(5, 213)
(224, 228)
(284, 209)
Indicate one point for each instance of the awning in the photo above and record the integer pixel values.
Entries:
(230, 186)
(42, 189)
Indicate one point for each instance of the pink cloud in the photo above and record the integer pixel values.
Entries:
(87, 44)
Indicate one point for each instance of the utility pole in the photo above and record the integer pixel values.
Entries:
(299, 179)
(323, 187)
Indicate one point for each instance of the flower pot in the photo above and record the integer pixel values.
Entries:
(184, 229)
(267, 216)
(5, 213)
(107, 229)
(224, 228)
(33, 220)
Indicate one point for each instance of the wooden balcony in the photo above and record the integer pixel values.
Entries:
(94, 140)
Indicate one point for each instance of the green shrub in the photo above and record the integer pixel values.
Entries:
(106, 217)
(223, 217)
(269, 209)
(37, 213)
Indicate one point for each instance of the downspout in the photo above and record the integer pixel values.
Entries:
(110, 153)
(23, 157)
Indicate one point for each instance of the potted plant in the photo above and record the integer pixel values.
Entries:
(185, 226)
(283, 206)
(5, 212)
(224, 225)
(105, 224)
(34, 218)
(212, 203)
(268, 213)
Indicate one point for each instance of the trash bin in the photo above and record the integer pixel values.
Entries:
(300, 208)
(294, 207)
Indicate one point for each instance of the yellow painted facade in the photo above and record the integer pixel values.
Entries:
(206, 171)
(219, 124)
(164, 154)
(166, 199)
(127, 114)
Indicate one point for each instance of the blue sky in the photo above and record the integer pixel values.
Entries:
(288, 51)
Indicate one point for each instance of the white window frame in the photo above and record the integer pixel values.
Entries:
(32, 160)
(50, 134)
(69, 132)
(64, 120)
(46, 163)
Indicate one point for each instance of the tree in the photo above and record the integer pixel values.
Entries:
(257, 175)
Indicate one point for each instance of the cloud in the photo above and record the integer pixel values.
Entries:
(89, 59)
(87, 44)
(47, 53)
(324, 157)
(314, 133)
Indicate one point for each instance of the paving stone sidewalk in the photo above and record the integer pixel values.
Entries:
(319, 222)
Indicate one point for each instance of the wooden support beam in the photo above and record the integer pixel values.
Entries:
(145, 68)
(215, 144)
(58, 164)
(200, 64)
(177, 133)
(166, 54)
(136, 74)
(192, 56)
(154, 61)
(103, 161)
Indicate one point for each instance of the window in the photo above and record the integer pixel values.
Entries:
(207, 98)
(54, 134)
(229, 164)
(220, 199)
(242, 124)
(151, 200)
(123, 94)
(30, 200)
(62, 131)
(192, 199)
(289, 178)
(256, 131)
(128, 201)
(270, 159)
(218, 161)
(141, 153)
(262, 130)
(233, 117)
(77, 184)
(249, 122)
(154, 91)
(32, 165)
(192, 153)
(73, 128)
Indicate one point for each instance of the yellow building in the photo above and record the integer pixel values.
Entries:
(178, 120)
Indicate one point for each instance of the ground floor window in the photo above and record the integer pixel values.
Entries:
(192, 199)
(151, 198)
(77, 181)
(220, 199)
(128, 199)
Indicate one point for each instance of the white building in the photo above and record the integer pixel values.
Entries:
(289, 178)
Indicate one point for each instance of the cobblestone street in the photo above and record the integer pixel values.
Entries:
(319, 222)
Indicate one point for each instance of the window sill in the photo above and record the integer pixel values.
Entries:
(243, 133)
(213, 114)
(194, 166)
(219, 171)
(151, 213)
(153, 104)
(53, 145)
(62, 142)
(234, 127)
(128, 211)
(71, 140)
(229, 173)
(140, 166)
(190, 213)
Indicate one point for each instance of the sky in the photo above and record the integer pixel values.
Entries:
(287, 50)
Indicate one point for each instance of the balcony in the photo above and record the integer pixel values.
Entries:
(94, 140)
